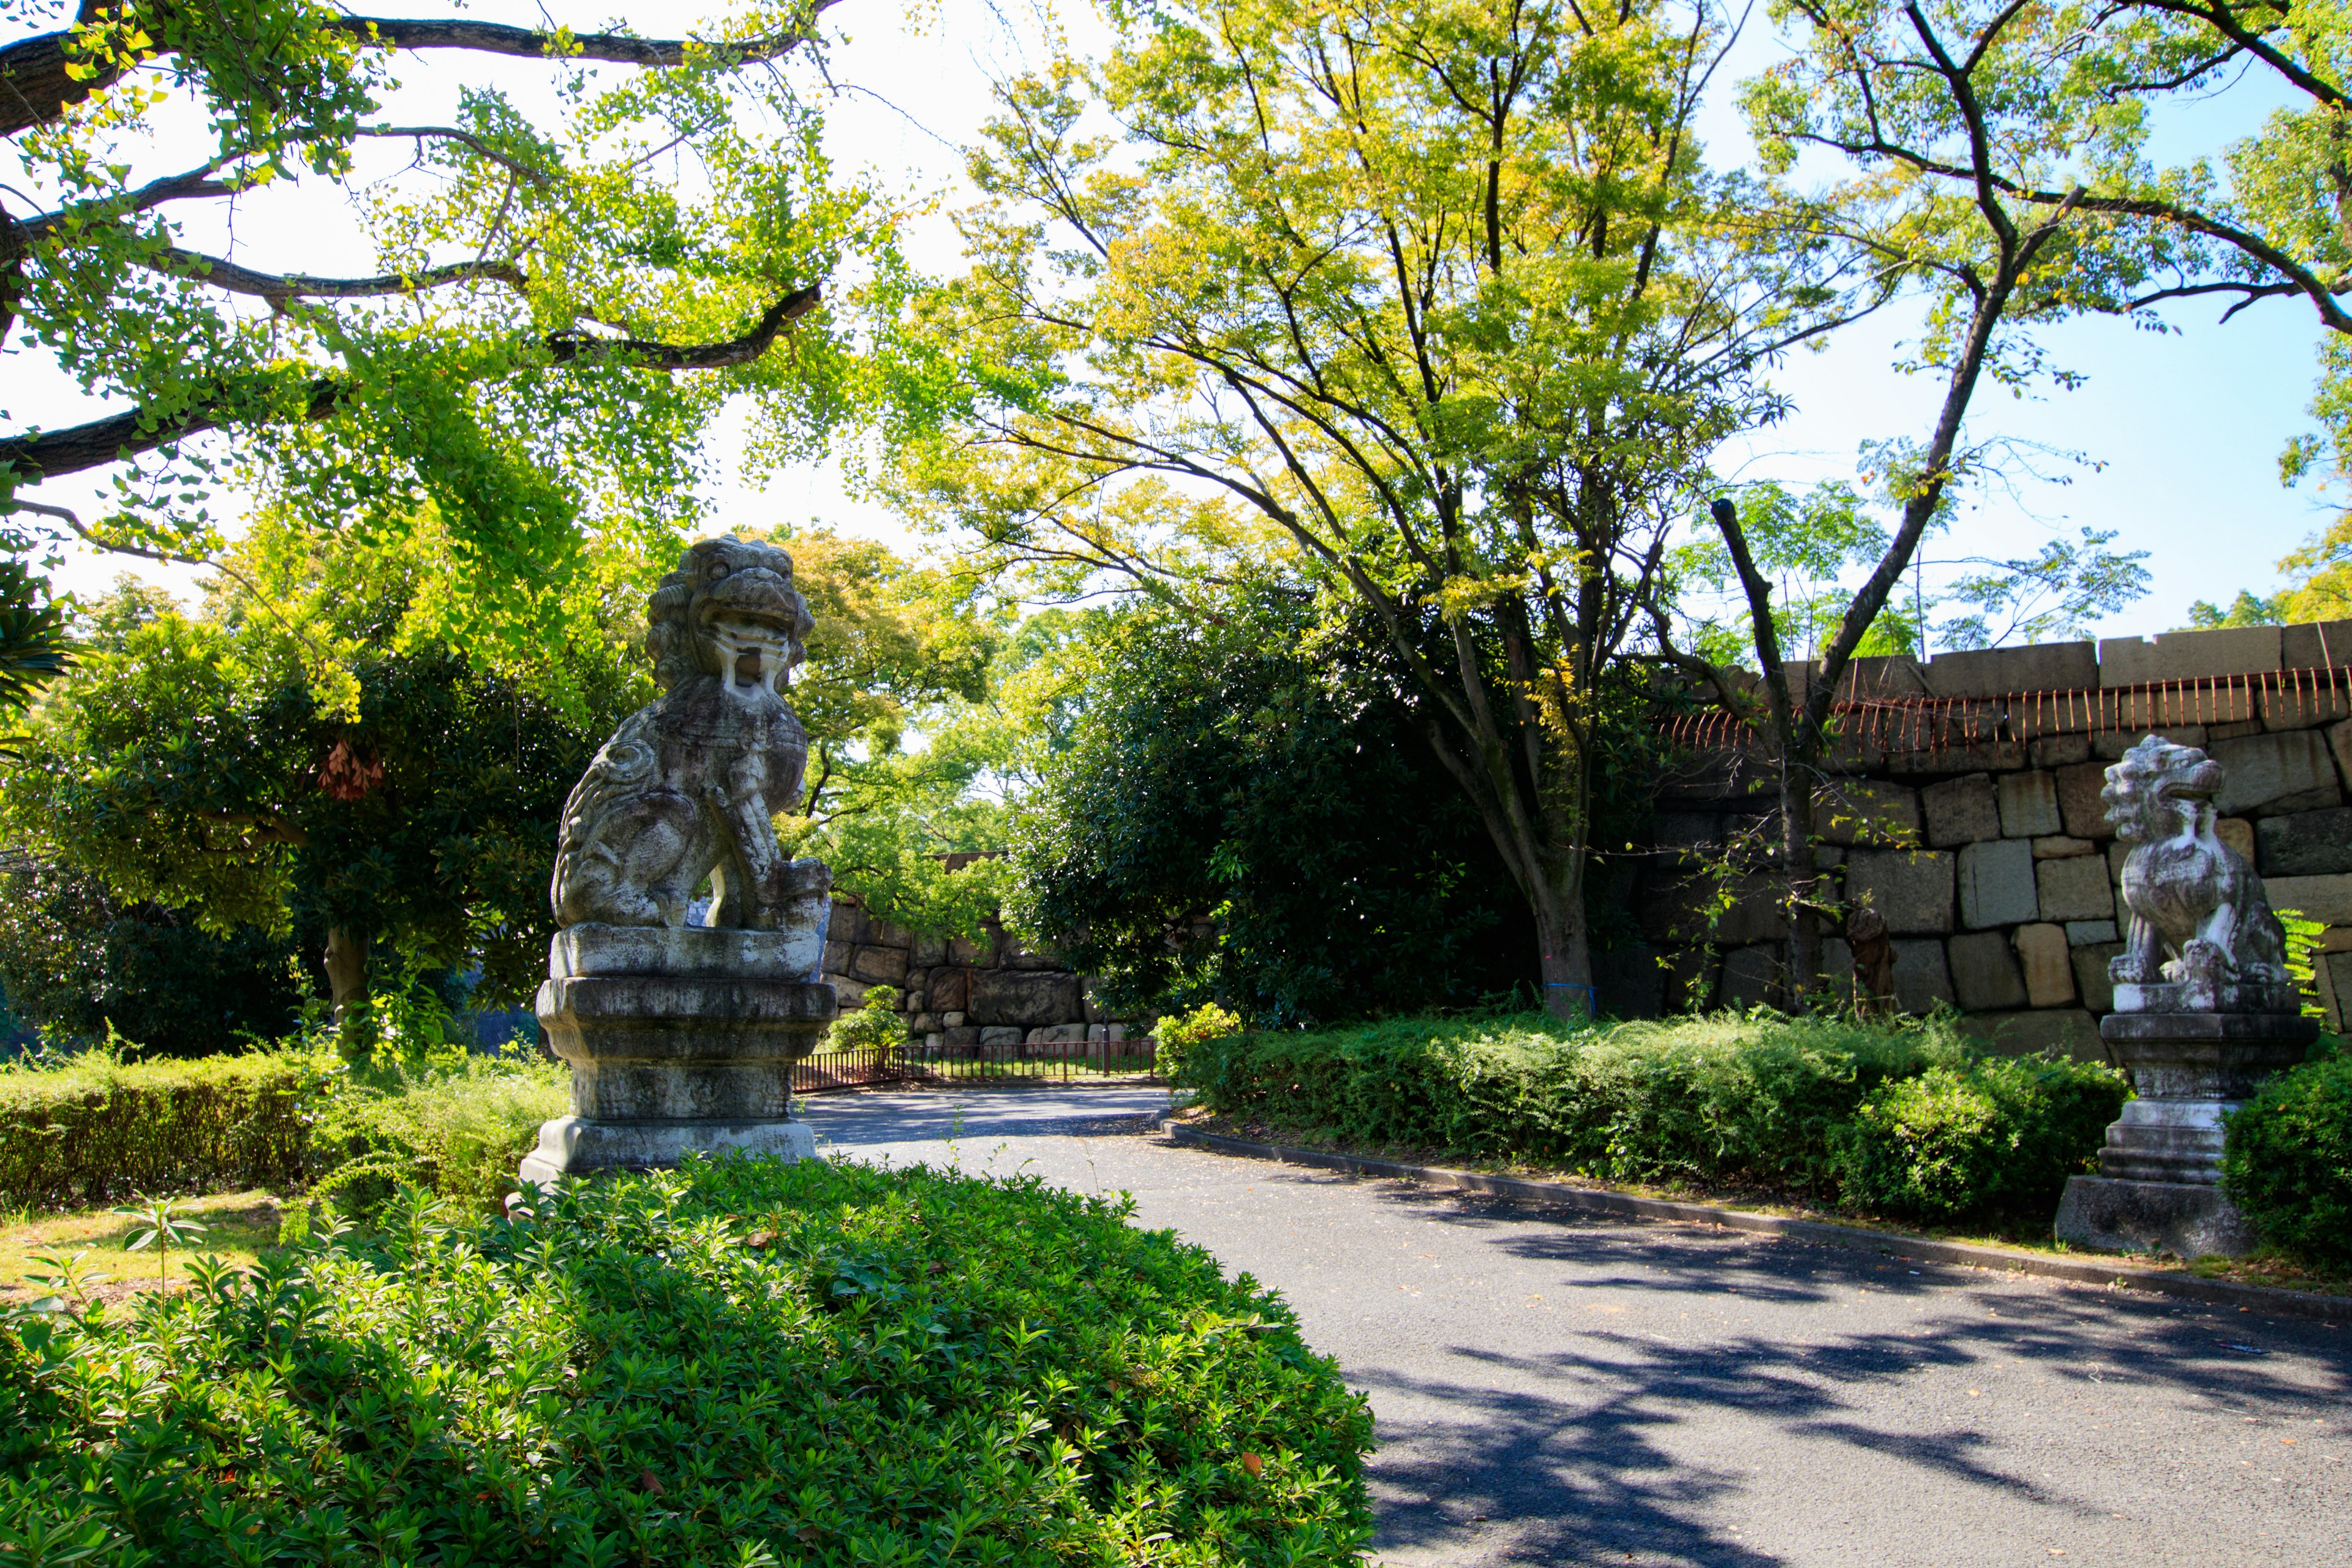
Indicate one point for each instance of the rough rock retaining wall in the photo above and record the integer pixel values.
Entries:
(1964, 804)
(957, 994)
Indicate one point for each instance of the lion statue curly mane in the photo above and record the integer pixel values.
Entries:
(687, 787)
(2188, 894)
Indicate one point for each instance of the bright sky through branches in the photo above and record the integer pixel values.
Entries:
(2187, 426)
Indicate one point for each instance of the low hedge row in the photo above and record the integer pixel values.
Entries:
(742, 1363)
(1905, 1120)
(96, 1130)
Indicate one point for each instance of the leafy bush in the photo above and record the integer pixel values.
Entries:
(1995, 1133)
(1726, 1099)
(99, 1129)
(1174, 1037)
(95, 1129)
(877, 1024)
(460, 1129)
(742, 1362)
(2287, 1159)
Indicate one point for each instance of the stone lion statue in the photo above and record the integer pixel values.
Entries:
(2188, 893)
(688, 785)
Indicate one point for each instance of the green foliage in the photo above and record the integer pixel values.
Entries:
(99, 1129)
(79, 963)
(1763, 1100)
(1997, 1134)
(544, 388)
(876, 1025)
(2303, 935)
(742, 1362)
(299, 758)
(164, 1226)
(1239, 806)
(459, 1128)
(1718, 1098)
(1174, 1037)
(93, 1128)
(2286, 1159)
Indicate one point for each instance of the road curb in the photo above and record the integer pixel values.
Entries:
(1856, 1239)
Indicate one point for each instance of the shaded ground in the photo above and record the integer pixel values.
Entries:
(1555, 1388)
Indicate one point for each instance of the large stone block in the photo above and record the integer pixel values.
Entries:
(1678, 909)
(2303, 704)
(2238, 834)
(948, 991)
(2063, 1031)
(1996, 884)
(2058, 847)
(2306, 844)
(2003, 672)
(2110, 746)
(2079, 809)
(2267, 775)
(879, 965)
(2091, 974)
(1866, 811)
(2315, 645)
(1911, 890)
(2029, 804)
(1026, 998)
(2083, 933)
(2060, 751)
(2188, 655)
(2327, 900)
(2044, 956)
(2339, 746)
(2184, 1218)
(1984, 972)
(1960, 811)
(1921, 978)
(1752, 976)
(2076, 889)
(1685, 829)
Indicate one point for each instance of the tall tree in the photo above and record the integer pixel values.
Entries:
(551, 311)
(1433, 302)
(1909, 97)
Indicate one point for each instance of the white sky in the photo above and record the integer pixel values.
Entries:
(2187, 428)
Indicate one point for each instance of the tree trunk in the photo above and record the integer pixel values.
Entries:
(1797, 863)
(346, 961)
(1565, 947)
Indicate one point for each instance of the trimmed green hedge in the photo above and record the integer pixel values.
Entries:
(2287, 1159)
(743, 1363)
(1774, 1103)
(98, 1130)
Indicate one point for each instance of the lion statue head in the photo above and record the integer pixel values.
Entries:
(728, 583)
(2160, 791)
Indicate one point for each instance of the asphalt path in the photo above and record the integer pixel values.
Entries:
(1553, 1387)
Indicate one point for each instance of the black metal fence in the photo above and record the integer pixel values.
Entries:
(1064, 1062)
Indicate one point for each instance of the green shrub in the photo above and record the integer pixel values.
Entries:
(1995, 1134)
(1174, 1036)
(460, 1128)
(2287, 1159)
(743, 1363)
(1714, 1100)
(98, 1129)
(876, 1025)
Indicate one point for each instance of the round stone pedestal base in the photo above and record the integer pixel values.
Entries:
(578, 1145)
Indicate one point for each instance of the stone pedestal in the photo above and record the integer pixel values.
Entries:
(2159, 1184)
(690, 1047)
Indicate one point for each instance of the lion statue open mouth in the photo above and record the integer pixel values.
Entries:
(2189, 894)
(689, 785)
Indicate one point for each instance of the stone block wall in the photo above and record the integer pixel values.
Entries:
(955, 994)
(1984, 843)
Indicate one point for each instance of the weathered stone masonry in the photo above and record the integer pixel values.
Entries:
(955, 994)
(1964, 806)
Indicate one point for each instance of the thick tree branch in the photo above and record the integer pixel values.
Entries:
(36, 85)
(49, 454)
(280, 287)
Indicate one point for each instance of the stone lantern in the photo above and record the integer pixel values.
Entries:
(2204, 1011)
(682, 1035)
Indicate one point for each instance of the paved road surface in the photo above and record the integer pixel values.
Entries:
(1555, 1388)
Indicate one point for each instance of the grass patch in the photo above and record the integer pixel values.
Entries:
(238, 1227)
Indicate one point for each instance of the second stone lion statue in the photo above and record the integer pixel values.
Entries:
(688, 784)
(2190, 894)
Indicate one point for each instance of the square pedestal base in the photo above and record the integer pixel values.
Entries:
(2185, 1218)
(577, 1145)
